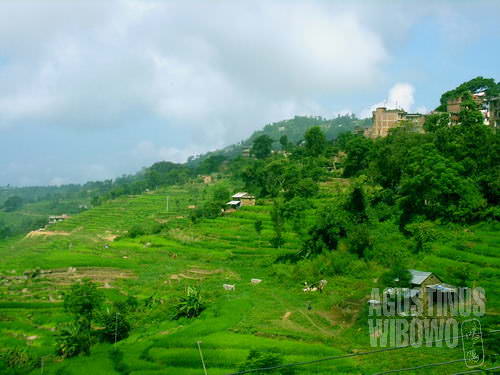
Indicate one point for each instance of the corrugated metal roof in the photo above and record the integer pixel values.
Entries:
(418, 277)
(239, 195)
(233, 203)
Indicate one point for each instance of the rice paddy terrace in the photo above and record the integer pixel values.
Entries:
(274, 314)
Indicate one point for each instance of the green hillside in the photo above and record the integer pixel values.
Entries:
(294, 129)
(336, 257)
(273, 315)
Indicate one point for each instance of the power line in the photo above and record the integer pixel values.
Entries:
(331, 358)
(421, 366)
(478, 370)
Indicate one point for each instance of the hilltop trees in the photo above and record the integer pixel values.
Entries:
(477, 84)
(433, 186)
(13, 203)
(262, 146)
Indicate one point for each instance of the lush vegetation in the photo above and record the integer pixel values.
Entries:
(132, 284)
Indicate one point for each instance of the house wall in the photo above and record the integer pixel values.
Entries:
(431, 280)
(247, 201)
(385, 119)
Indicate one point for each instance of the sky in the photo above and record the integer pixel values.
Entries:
(91, 90)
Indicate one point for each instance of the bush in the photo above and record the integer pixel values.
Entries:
(18, 360)
(190, 305)
(116, 326)
(423, 233)
(116, 357)
(269, 358)
(136, 231)
(72, 340)
(359, 239)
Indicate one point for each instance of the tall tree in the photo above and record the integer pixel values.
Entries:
(284, 142)
(262, 146)
(315, 141)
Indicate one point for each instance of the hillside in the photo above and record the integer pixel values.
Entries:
(294, 129)
(346, 256)
(273, 314)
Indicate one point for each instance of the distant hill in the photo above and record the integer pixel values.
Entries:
(294, 129)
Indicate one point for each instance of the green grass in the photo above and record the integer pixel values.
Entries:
(253, 316)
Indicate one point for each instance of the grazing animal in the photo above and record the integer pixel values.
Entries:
(256, 281)
(229, 287)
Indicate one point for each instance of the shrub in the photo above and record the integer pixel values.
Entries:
(116, 357)
(190, 305)
(72, 340)
(116, 326)
(269, 358)
(136, 231)
(18, 360)
(359, 239)
(423, 233)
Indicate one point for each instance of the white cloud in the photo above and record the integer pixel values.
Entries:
(400, 96)
(216, 70)
(147, 152)
(210, 72)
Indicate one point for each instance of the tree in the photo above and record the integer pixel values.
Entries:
(359, 239)
(357, 205)
(13, 203)
(258, 226)
(358, 151)
(278, 221)
(315, 141)
(304, 188)
(72, 340)
(116, 326)
(211, 164)
(5, 230)
(329, 229)
(262, 146)
(82, 301)
(433, 186)
(284, 142)
(423, 233)
(477, 84)
(397, 277)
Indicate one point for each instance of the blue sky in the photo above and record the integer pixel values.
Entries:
(92, 90)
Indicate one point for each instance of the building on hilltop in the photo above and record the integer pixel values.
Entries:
(384, 119)
(489, 107)
(494, 113)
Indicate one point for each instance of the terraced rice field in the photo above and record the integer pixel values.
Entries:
(272, 315)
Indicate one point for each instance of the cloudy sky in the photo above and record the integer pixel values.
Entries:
(95, 89)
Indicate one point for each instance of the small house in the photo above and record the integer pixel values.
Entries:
(207, 179)
(57, 218)
(245, 198)
(241, 199)
(233, 204)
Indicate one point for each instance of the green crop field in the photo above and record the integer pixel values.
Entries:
(272, 315)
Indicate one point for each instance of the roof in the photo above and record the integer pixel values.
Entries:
(242, 195)
(443, 288)
(233, 203)
(418, 277)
